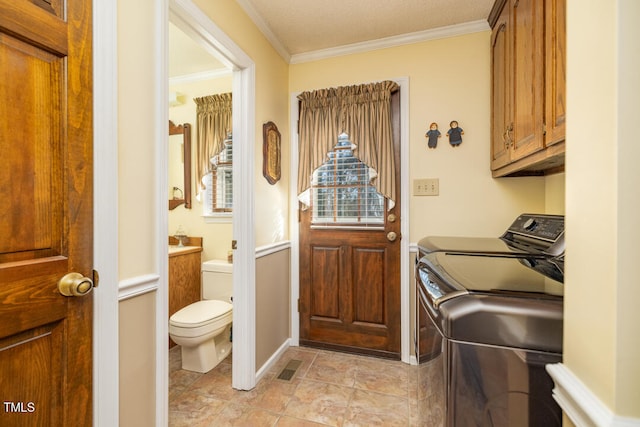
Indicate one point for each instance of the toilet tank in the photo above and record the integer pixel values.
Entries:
(217, 280)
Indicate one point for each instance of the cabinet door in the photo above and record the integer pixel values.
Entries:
(500, 92)
(527, 18)
(184, 281)
(555, 113)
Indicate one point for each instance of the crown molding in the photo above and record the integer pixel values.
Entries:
(394, 41)
(265, 29)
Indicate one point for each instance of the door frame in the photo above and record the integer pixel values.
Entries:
(196, 24)
(106, 296)
(105, 200)
(405, 306)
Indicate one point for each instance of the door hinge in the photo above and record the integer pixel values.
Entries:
(96, 278)
(298, 305)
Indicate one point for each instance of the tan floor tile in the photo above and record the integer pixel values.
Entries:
(273, 395)
(192, 401)
(333, 368)
(389, 379)
(328, 389)
(182, 379)
(196, 418)
(319, 402)
(369, 408)
(295, 422)
(216, 385)
(186, 419)
(244, 416)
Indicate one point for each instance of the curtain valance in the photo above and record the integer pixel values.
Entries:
(361, 111)
(214, 121)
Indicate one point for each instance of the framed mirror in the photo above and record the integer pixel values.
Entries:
(179, 184)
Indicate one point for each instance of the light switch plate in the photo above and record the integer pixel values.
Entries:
(426, 187)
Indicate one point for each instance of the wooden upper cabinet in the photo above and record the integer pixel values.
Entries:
(528, 86)
(555, 44)
(500, 99)
(528, 83)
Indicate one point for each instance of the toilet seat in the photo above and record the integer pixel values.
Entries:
(200, 313)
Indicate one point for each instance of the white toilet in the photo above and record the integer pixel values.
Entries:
(203, 329)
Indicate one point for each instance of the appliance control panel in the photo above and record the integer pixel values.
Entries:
(536, 226)
(538, 233)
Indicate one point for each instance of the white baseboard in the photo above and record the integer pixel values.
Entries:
(579, 403)
(272, 360)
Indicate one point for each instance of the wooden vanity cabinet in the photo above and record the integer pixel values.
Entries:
(184, 278)
(528, 87)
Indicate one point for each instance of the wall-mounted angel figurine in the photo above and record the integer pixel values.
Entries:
(455, 134)
(433, 134)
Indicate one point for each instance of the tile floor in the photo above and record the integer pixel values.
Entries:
(328, 389)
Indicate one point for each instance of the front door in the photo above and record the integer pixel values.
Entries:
(350, 274)
(46, 213)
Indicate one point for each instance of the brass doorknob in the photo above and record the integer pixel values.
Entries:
(75, 285)
(392, 236)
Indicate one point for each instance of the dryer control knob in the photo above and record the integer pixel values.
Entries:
(529, 224)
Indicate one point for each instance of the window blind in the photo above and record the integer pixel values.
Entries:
(342, 192)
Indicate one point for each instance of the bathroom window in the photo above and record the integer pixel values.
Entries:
(219, 182)
(214, 156)
(342, 191)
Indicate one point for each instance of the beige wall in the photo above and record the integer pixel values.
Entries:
(449, 79)
(272, 312)
(216, 236)
(137, 361)
(554, 196)
(272, 74)
(137, 216)
(602, 344)
(136, 139)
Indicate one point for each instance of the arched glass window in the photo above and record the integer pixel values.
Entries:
(342, 193)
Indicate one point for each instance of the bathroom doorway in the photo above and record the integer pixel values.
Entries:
(199, 191)
(196, 26)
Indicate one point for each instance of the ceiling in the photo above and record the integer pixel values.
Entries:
(186, 57)
(298, 28)
(303, 26)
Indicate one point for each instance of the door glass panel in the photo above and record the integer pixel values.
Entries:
(342, 194)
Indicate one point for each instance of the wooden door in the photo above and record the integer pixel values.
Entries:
(527, 18)
(501, 121)
(46, 212)
(350, 280)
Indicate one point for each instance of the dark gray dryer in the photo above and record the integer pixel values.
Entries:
(497, 318)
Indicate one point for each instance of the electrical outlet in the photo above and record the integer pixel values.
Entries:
(426, 187)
